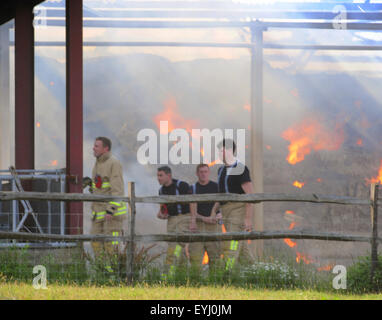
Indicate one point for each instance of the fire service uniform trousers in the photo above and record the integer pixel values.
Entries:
(233, 220)
(108, 250)
(176, 251)
(198, 249)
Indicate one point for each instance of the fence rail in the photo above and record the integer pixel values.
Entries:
(249, 198)
(373, 202)
(192, 237)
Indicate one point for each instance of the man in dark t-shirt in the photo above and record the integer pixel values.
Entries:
(234, 177)
(176, 187)
(204, 219)
(229, 182)
(178, 216)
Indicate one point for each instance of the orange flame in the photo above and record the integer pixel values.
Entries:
(301, 257)
(378, 178)
(298, 184)
(326, 268)
(292, 225)
(205, 258)
(311, 135)
(175, 120)
(290, 243)
(359, 142)
(211, 163)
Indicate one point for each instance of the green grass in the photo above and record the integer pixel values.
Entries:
(25, 291)
(78, 277)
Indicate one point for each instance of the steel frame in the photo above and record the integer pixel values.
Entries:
(169, 9)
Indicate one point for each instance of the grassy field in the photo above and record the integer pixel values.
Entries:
(25, 291)
(278, 279)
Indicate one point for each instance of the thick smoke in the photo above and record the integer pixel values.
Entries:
(126, 88)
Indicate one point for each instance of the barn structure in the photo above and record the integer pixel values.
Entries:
(255, 16)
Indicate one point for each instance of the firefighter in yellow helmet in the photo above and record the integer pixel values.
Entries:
(107, 217)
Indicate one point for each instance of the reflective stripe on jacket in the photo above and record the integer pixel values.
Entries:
(109, 170)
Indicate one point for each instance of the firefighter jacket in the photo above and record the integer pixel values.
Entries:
(107, 179)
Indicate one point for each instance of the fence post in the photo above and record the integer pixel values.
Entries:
(130, 252)
(374, 229)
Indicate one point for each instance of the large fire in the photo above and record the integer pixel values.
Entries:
(311, 135)
(174, 118)
(378, 178)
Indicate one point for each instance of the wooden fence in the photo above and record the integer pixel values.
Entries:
(373, 202)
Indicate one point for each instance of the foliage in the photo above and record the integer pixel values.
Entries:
(358, 276)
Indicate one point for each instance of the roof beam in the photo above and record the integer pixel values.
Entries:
(217, 24)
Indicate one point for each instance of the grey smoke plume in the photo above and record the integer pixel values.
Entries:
(124, 89)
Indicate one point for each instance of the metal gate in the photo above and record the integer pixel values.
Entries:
(50, 215)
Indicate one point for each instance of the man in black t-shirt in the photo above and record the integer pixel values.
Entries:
(178, 215)
(234, 177)
(204, 219)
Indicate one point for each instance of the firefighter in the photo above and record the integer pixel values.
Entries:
(107, 217)
(234, 177)
(204, 219)
(178, 218)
